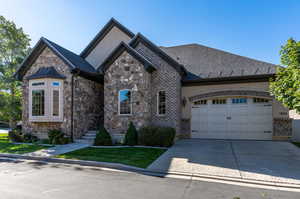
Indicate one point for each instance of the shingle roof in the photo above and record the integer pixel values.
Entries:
(46, 72)
(203, 62)
(75, 62)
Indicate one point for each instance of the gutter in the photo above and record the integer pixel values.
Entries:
(228, 80)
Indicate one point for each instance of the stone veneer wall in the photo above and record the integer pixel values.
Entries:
(88, 106)
(124, 73)
(87, 102)
(168, 79)
(282, 128)
(47, 58)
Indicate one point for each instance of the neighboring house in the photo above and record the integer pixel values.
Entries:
(121, 77)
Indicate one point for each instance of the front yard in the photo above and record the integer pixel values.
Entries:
(133, 156)
(7, 147)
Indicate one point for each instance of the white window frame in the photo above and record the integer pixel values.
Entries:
(48, 103)
(157, 103)
(119, 103)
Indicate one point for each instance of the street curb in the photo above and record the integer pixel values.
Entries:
(123, 167)
(76, 162)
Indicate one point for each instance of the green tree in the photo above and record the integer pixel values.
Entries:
(14, 46)
(286, 85)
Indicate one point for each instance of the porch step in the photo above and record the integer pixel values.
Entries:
(85, 141)
(88, 138)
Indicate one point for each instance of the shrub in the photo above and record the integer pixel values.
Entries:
(44, 141)
(15, 135)
(28, 137)
(103, 138)
(58, 137)
(131, 137)
(156, 136)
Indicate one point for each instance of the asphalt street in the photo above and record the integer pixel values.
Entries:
(22, 179)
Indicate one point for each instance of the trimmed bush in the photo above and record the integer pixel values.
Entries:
(44, 141)
(28, 137)
(15, 135)
(157, 136)
(103, 138)
(131, 137)
(58, 137)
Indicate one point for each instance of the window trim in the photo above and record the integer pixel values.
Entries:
(157, 103)
(119, 107)
(48, 100)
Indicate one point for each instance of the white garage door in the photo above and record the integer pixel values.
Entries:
(232, 118)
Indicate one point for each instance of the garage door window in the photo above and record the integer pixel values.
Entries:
(200, 102)
(239, 100)
(219, 101)
(260, 100)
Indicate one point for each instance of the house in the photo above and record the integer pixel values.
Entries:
(121, 77)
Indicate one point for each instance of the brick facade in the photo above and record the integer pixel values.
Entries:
(168, 79)
(282, 128)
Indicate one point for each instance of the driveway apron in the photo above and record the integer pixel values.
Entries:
(253, 160)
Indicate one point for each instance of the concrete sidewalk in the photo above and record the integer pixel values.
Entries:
(57, 150)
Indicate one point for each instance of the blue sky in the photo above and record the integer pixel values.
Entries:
(252, 28)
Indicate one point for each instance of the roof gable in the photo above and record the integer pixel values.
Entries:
(118, 51)
(75, 62)
(102, 33)
(140, 38)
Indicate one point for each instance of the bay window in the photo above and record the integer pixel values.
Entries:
(46, 100)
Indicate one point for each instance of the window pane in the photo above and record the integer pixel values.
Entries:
(200, 102)
(55, 84)
(55, 103)
(38, 84)
(161, 102)
(219, 101)
(239, 100)
(125, 101)
(260, 100)
(38, 102)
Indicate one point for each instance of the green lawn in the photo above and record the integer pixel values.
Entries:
(297, 144)
(133, 156)
(7, 147)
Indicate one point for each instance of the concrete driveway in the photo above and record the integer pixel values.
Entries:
(253, 160)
